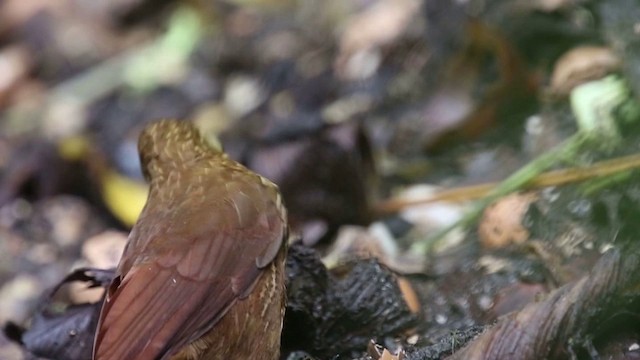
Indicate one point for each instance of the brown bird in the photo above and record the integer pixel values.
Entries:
(202, 276)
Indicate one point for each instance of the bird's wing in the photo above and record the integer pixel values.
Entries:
(159, 305)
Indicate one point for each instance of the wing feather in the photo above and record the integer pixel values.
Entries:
(172, 297)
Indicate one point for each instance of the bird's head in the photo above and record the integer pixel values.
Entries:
(170, 144)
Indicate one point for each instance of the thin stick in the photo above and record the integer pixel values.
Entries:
(550, 178)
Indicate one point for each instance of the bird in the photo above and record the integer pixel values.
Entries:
(202, 274)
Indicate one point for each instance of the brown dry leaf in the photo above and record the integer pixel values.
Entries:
(386, 355)
(501, 224)
(409, 294)
(580, 65)
(378, 352)
(355, 242)
(376, 241)
(569, 318)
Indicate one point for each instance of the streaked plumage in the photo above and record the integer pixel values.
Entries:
(202, 274)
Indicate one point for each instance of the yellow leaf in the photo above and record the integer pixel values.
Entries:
(123, 196)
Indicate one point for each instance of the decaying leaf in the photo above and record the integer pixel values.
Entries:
(329, 314)
(568, 320)
(63, 332)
